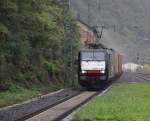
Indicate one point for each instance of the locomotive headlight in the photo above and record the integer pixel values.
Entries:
(102, 71)
(83, 72)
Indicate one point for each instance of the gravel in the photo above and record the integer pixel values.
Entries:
(17, 112)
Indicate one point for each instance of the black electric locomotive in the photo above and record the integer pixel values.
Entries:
(98, 66)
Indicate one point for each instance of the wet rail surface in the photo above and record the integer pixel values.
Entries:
(20, 112)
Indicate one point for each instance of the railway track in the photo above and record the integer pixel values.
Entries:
(144, 76)
(27, 109)
(53, 107)
(60, 111)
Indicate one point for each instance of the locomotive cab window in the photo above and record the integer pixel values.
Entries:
(97, 56)
(93, 62)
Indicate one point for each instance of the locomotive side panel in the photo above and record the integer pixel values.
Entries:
(111, 64)
(110, 61)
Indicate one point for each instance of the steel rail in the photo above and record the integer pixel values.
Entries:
(65, 108)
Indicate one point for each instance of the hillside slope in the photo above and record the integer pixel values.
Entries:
(31, 42)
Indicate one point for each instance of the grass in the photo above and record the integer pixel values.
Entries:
(17, 94)
(123, 102)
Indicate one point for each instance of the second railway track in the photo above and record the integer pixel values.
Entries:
(143, 76)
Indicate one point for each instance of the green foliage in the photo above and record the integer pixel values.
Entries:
(53, 66)
(3, 28)
(33, 48)
(17, 93)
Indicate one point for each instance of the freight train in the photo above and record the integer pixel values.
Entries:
(98, 66)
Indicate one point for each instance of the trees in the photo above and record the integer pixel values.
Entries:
(32, 36)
